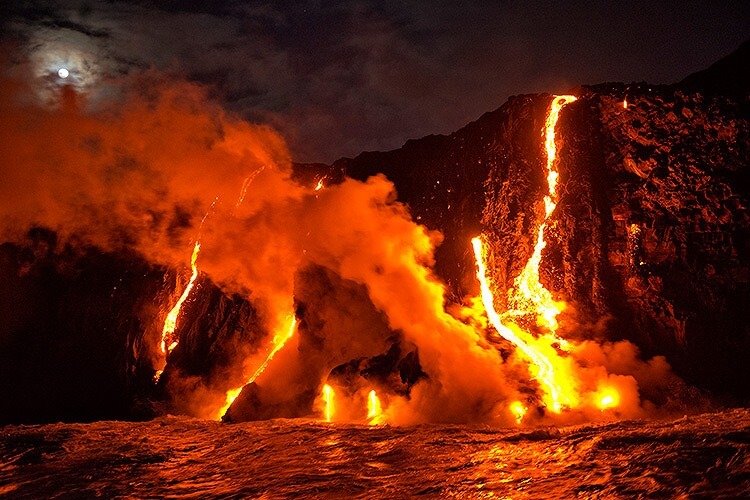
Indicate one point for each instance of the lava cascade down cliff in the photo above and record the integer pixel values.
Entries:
(649, 244)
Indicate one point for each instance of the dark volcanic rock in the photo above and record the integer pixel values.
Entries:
(80, 327)
(74, 335)
(678, 203)
(729, 77)
(442, 179)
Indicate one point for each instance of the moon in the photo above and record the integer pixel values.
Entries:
(63, 72)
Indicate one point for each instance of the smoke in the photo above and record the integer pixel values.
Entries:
(152, 165)
(141, 169)
(138, 170)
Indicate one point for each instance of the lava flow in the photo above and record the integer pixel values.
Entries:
(374, 409)
(328, 400)
(528, 297)
(277, 343)
(545, 373)
(168, 341)
(171, 322)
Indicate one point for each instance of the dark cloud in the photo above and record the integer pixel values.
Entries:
(340, 77)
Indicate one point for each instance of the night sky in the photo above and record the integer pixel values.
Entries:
(337, 78)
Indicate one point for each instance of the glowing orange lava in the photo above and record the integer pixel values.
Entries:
(545, 373)
(246, 184)
(518, 410)
(320, 184)
(170, 323)
(168, 340)
(277, 343)
(374, 410)
(528, 296)
(328, 400)
(606, 398)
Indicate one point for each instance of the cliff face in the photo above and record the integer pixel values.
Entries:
(80, 327)
(678, 201)
(649, 241)
(652, 226)
(73, 333)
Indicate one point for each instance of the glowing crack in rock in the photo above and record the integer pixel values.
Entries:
(168, 340)
(170, 323)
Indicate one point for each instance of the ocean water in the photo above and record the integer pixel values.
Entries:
(703, 456)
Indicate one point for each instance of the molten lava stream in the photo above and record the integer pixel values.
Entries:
(168, 342)
(374, 410)
(170, 323)
(277, 343)
(529, 297)
(545, 373)
(328, 401)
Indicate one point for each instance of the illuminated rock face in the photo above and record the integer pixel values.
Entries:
(652, 226)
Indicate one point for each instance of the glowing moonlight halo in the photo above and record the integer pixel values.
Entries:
(63, 72)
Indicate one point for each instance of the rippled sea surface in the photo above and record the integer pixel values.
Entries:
(704, 456)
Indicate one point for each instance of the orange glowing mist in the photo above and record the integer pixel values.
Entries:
(328, 400)
(277, 343)
(246, 184)
(607, 397)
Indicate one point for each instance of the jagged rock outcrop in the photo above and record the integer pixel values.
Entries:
(652, 226)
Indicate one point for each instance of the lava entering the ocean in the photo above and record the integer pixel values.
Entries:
(307, 285)
(277, 343)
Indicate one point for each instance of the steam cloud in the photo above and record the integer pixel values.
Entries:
(140, 168)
